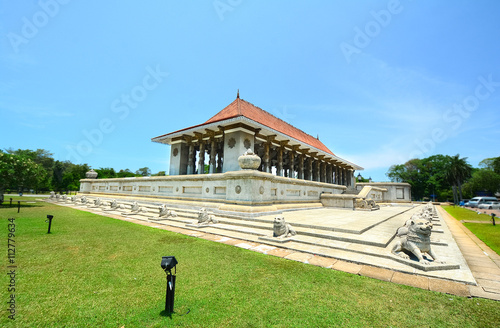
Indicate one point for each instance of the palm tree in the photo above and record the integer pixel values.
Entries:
(457, 171)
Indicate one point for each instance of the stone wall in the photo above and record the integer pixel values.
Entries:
(246, 187)
(396, 192)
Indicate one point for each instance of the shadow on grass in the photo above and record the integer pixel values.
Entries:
(169, 314)
(6, 204)
(166, 313)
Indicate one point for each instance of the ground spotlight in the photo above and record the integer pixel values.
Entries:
(167, 264)
(49, 217)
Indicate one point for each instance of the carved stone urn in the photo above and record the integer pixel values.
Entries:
(249, 161)
(91, 174)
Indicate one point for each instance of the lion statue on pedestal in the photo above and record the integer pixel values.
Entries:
(282, 229)
(415, 237)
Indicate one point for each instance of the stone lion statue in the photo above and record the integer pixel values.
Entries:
(205, 218)
(97, 201)
(113, 204)
(83, 200)
(366, 204)
(282, 229)
(164, 211)
(415, 237)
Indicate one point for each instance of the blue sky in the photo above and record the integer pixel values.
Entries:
(380, 82)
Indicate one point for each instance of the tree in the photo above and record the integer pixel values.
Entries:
(125, 174)
(160, 174)
(42, 157)
(19, 172)
(492, 164)
(143, 171)
(483, 180)
(426, 176)
(457, 171)
(106, 173)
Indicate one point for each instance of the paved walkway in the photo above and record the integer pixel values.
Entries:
(483, 262)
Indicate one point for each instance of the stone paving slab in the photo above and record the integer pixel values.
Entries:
(410, 280)
(347, 267)
(449, 287)
(377, 273)
(299, 257)
(325, 262)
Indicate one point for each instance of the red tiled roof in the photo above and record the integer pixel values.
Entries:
(240, 107)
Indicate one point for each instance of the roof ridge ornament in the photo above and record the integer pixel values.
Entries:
(238, 94)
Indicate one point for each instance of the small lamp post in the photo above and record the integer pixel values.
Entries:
(359, 177)
(167, 264)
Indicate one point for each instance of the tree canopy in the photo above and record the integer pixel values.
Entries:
(23, 169)
(444, 177)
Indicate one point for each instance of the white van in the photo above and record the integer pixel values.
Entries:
(474, 202)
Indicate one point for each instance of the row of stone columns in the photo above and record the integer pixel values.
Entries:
(215, 157)
(307, 168)
(296, 164)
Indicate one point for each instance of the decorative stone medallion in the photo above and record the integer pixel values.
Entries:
(175, 152)
(207, 190)
(231, 142)
(177, 189)
(247, 143)
(261, 190)
(237, 189)
(282, 192)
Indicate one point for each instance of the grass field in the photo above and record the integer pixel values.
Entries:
(94, 271)
(488, 233)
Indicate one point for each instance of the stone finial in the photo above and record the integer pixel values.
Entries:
(91, 174)
(249, 160)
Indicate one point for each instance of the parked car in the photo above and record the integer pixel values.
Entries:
(489, 205)
(476, 201)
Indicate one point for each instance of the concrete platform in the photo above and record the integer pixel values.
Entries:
(358, 242)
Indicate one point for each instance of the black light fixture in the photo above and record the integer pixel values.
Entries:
(359, 177)
(49, 217)
(167, 264)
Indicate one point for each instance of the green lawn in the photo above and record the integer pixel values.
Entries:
(488, 233)
(461, 213)
(94, 271)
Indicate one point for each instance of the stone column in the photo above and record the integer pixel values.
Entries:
(328, 173)
(266, 167)
(318, 170)
(190, 164)
(308, 169)
(301, 167)
(344, 180)
(213, 152)
(291, 166)
(279, 165)
(323, 172)
(220, 150)
(201, 161)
